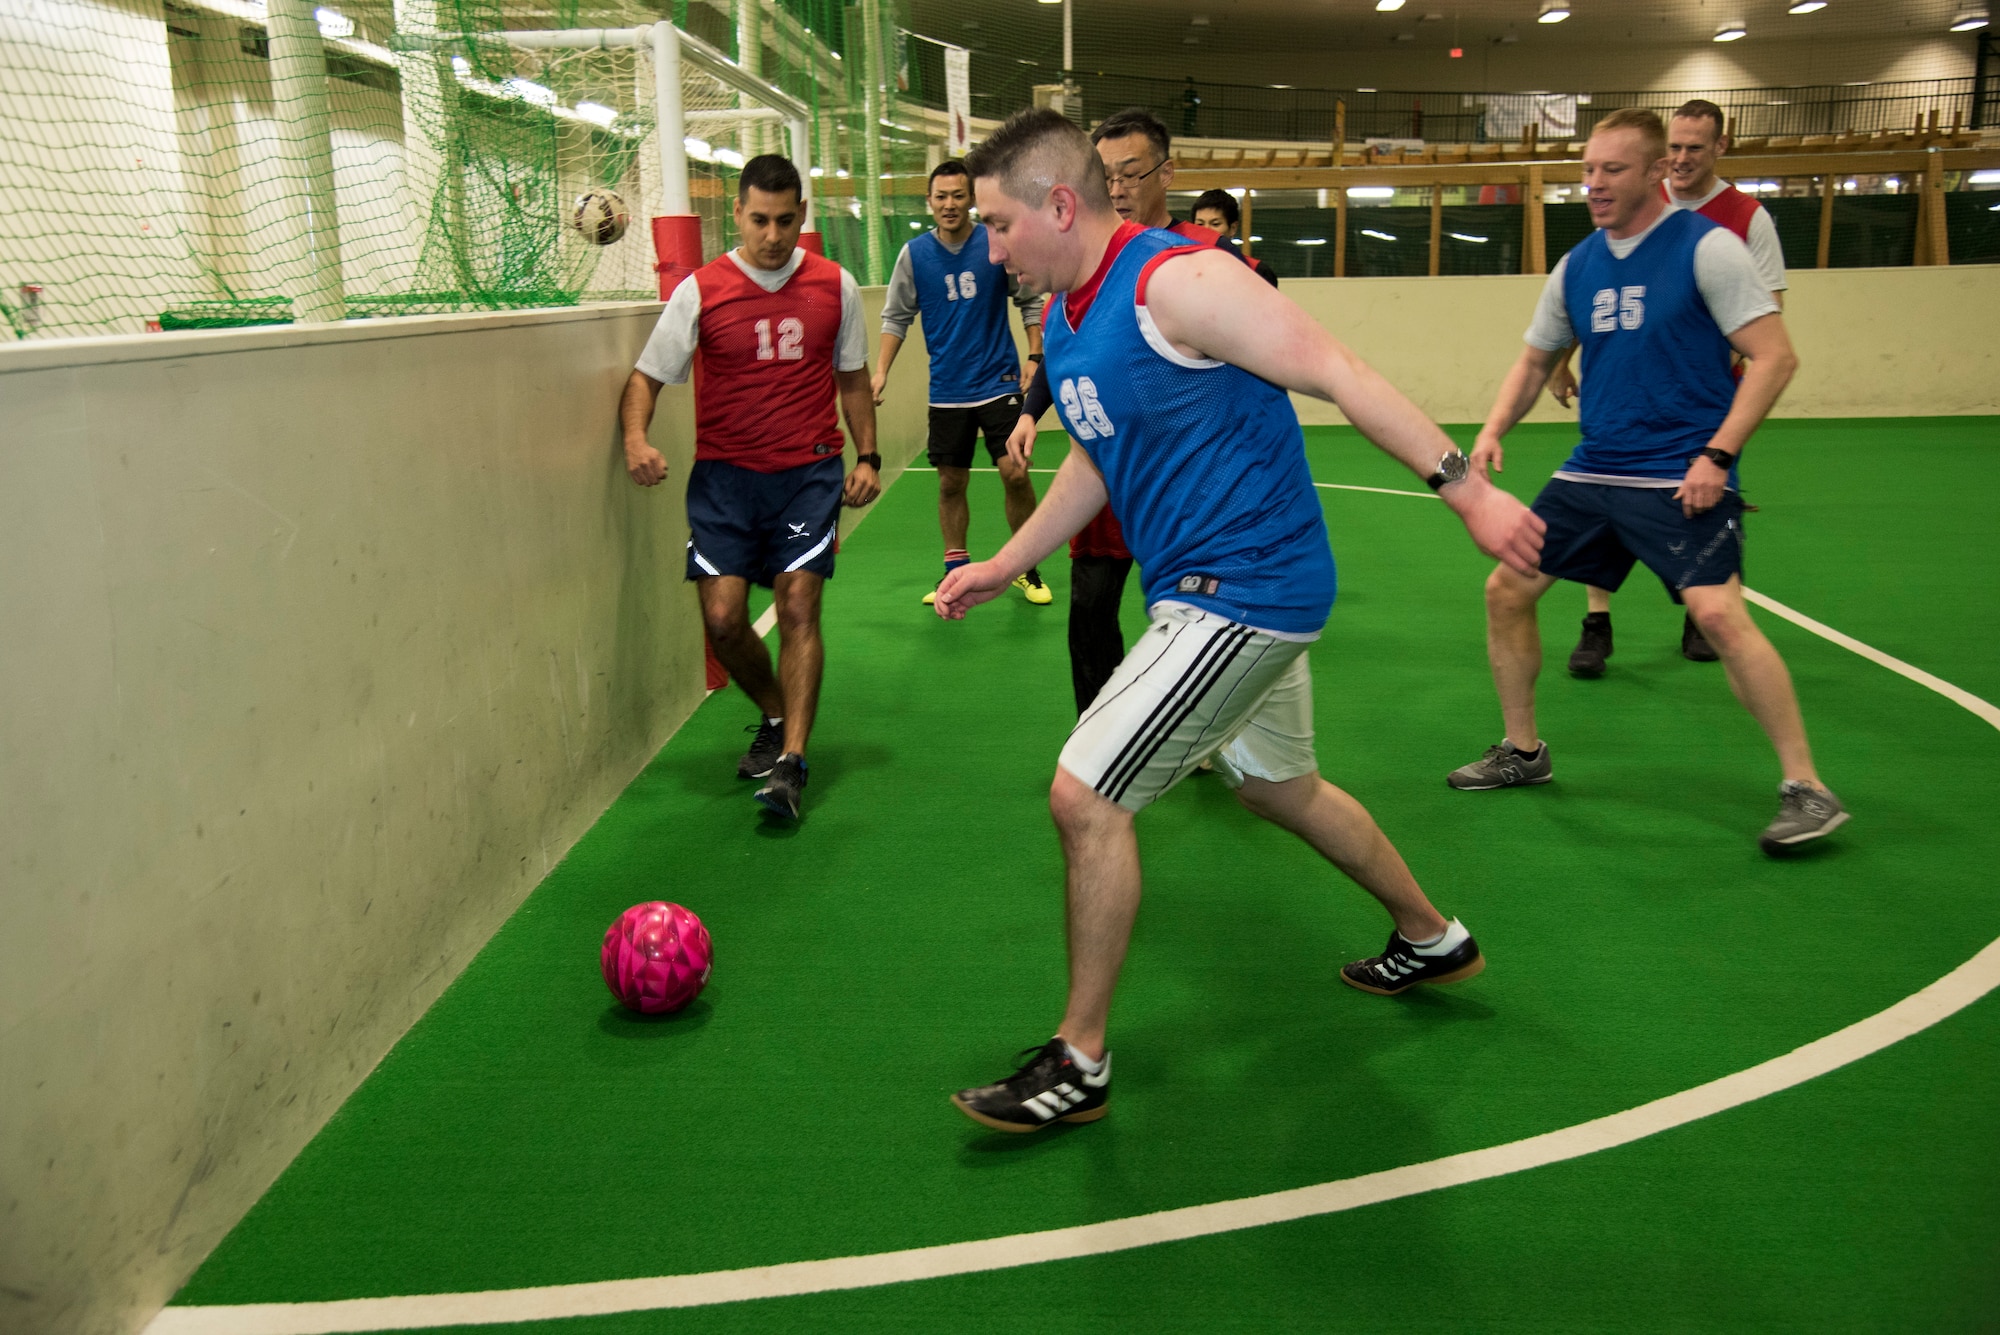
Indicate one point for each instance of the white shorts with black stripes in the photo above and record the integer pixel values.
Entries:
(1196, 685)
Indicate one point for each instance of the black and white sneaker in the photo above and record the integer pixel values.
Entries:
(780, 793)
(765, 748)
(1048, 1088)
(1401, 965)
(1587, 659)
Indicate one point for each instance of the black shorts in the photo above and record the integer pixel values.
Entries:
(1596, 531)
(762, 525)
(953, 430)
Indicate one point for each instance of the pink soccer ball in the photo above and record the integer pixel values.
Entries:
(656, 957)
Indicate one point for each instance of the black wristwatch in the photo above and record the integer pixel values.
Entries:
(1034, 356)
(1722, 459)
(874, 461)
(1451, 468)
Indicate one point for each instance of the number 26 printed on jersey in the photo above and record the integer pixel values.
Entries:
(791, 341)
(1617, 308)
(1087, 418)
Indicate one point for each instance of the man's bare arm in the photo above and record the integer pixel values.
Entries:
(1073, 500)
(857, 405)
(1518, 390)
(1210, 304)
(1768, 364)
(646, 465)
(885, 358)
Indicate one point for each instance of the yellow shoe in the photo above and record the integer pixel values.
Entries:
(1036, 591)
(930, 598)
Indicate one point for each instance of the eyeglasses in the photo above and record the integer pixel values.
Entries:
(1126, 180)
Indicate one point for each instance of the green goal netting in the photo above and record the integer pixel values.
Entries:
(174, 164)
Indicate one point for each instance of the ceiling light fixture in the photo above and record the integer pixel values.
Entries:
(1971, 20)
(1387, 6)
(1731, 32)
(1805, 6)
(1553, 11)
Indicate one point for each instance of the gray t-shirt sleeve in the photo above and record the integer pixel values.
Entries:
(670, 349)
(1731, 287)
(1029, 305)
(899, 307)
(1766, 252)
(850, 352)
(1550, 329)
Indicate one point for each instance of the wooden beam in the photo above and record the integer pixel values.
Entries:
(1534, 243)
(1248, 221)
(1932, 213)
(1437, 226)
(1339, 225)
(1830, 183)
(1340, 132)
(1568, 171)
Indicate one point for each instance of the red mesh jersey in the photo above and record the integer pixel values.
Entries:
(1732, 209)
(764, 395)
(1102, 536)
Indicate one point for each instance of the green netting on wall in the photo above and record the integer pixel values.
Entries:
(210, 163)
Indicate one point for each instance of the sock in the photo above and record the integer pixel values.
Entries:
(1530, 754)
(774, 722)
(1598, 618)
(1083, 1063)
(1444, 942)
(955, 557)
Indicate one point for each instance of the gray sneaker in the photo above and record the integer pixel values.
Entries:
(1804, 813)
(1502, 767)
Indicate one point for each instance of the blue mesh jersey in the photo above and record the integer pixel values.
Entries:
(1205, 462)
(963, 301)
(1656, 363)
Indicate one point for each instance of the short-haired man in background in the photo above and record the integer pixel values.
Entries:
(1696, 141)
(1218, 211)
(780, 336)
(1658, 298)
(944, 278)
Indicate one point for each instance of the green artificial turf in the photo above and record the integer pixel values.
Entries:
(905, 939)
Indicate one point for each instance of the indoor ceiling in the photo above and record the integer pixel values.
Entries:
(1118, 35)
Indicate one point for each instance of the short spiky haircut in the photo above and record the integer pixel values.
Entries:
(772, 173)
(949, 167)
(1647, 123)
(1034, 152)
(1134, 120)
(1703, 109)
(1222, 202)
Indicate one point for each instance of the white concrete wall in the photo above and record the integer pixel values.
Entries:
(1871, 342)
(321, 647)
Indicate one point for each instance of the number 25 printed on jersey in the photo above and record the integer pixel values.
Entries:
(1617, 308)
(1087, 418)
(791, 341)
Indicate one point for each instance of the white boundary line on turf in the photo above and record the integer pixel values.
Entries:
(1956, 990)
(1323, 486)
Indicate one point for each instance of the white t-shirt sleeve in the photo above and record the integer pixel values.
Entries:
(1734, 291)
(1766, 252)
(1550, 329)
(850, 351)
(670, 350)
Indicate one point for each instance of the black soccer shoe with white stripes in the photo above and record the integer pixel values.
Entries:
(1048, 1088)
(1401, 965)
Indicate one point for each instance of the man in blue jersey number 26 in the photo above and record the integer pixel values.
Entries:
(1169, 364)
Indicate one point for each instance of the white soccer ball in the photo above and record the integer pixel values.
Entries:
(600, 216)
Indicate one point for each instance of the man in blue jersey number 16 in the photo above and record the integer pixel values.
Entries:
(1169, 364)
(945, 279)
(1658, 298)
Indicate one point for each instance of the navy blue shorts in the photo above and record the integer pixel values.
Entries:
(762, 525)
(1597, 531)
